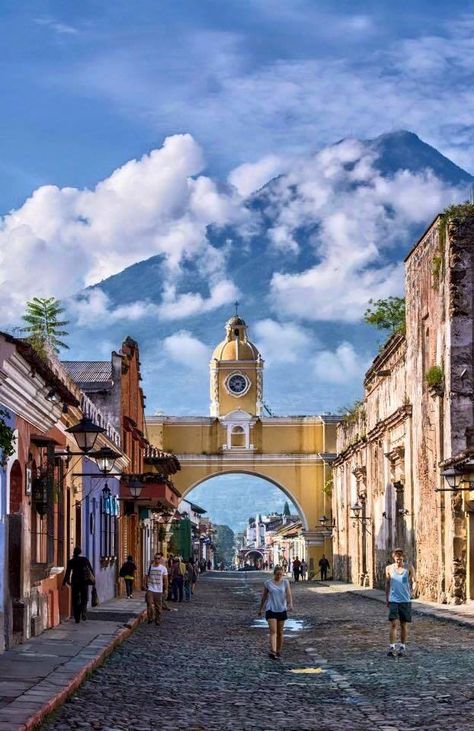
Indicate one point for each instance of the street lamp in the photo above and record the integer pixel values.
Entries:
(85, 432)
(453, 476)
(325, 522)
(457, 475)
(135, 486)
(105, 458)
(358, 514)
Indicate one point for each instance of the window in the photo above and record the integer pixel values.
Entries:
(108, 527)
(238, 437)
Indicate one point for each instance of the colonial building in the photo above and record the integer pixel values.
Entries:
(292, 452)
(147, 496)
(43, 489)
(416, 419)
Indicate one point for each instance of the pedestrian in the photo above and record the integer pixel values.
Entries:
(188, 580)
(169, 563)
(399, 585)
(303, 570)
(127, 573)
(156, 585)
(209, 565)
(324, 567)
(296, 569)
(195, 575)
(177, 580)
(79, 576)
(277, 600)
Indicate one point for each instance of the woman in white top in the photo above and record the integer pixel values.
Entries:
(276, 599)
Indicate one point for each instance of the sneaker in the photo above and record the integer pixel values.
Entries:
(391, 653)
(272, 656)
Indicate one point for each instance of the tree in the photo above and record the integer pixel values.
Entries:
(286, 508)
(224, 543)
(43, 326)
(387, 314)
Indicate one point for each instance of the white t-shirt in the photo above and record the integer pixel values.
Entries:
(276, 601)
(155, 577)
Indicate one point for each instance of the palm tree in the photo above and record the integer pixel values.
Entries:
(43, 325)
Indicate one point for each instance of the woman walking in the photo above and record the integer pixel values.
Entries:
(277, 600)
(79, 576)
(127, 572)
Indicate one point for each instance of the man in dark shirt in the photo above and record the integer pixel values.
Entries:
(296, 568)
(79, 576)
(324, 567)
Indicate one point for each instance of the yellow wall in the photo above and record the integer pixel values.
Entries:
(209, 436)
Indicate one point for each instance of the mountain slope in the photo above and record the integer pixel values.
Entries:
(403, 150)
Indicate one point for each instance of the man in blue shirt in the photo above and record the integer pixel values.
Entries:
(399, 583)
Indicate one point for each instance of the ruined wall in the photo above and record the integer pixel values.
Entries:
(459, 433)
(417, 412)
(373, 444)
(426, 350)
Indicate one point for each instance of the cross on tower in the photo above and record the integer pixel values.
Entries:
(236, 305)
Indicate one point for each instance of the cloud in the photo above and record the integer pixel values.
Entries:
(185, 349)
(57, 26)
(311, 86)
(353, 217)
(340, 366)
(95, 307)
(156, 205)
(334, 292)
(176, 306)
(283, 342)
(250, 177)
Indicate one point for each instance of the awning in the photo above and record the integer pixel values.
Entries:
(155, 493)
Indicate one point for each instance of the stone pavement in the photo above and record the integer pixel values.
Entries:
(38, 675)
(206, 669)
(459, 613)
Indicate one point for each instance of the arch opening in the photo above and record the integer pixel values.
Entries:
(196, 493)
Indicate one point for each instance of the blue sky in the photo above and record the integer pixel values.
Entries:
(87, 86)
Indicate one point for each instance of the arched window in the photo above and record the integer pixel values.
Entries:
(16, 488)
(237, 437)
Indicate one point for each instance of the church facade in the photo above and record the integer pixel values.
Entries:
(292, 452)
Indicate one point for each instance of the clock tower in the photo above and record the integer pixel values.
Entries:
(236, 373)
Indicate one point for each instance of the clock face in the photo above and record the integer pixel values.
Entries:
(237, 384)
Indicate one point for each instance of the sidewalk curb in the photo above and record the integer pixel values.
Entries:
(422, 611)
(57, 700)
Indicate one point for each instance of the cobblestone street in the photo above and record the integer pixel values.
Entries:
(207, 668)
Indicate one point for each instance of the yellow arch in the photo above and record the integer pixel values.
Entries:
(252, 473)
